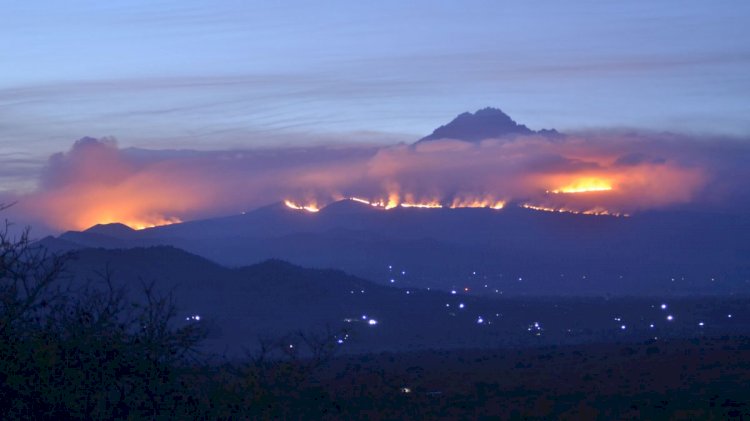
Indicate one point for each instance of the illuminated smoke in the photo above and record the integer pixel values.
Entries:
(594, 173)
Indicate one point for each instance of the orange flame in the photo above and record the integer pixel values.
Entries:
(394, 200)
(599, 211)
(431, 205)
(151, 223)
(310, 207)
(360, 200)
(94, 205)
(584, 185)
(477, 203)
(391, 202)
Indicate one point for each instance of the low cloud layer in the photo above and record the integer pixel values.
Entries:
(98, 182)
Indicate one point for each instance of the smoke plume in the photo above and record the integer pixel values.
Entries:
(604, 172)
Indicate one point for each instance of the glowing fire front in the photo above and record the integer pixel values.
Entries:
(394, 201)
(584, 185)
(310, 207)
(134, 223)
(428, 205)
(593, 211)
(477, 203)
(157, 222)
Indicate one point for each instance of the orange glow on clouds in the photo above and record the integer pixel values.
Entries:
(104, 205)
(96, 182)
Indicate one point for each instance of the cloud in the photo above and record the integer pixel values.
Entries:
(98, 182)
(637, 158)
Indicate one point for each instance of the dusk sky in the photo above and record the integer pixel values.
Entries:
(239, 73)
(243, 75)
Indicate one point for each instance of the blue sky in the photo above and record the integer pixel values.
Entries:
(228, 74)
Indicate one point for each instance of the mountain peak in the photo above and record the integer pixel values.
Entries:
(486, 123)
(116, 230)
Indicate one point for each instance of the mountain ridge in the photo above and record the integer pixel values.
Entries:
(440, 247)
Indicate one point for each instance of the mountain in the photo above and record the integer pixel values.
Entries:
(115, 230)
(512, 250)
(487, 123)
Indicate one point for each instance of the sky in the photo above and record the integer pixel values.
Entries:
(229, 75)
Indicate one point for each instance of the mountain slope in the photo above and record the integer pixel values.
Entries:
(442, 248)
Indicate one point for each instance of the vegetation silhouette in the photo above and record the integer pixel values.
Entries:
(90, 352)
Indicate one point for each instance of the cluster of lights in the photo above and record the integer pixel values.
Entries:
(364, 318)
(341, 339)
(536, 329)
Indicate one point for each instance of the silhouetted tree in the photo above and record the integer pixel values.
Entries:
(86, 353)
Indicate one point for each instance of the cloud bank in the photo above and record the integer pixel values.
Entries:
(98, 182)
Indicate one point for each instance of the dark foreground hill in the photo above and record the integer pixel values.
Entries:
(513, 250)
(242, 306)
(582, 358)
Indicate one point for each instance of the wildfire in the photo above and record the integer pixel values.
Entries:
(394, 201)
(365, 201)
(310, 208)
(88, 220)
(428, 205)
(594, 211)
(115, 211)
(602, 211)
(486, 202)
(140, 225)
(584, 185)
(477, 203)
(390, 204)
(385, 205)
